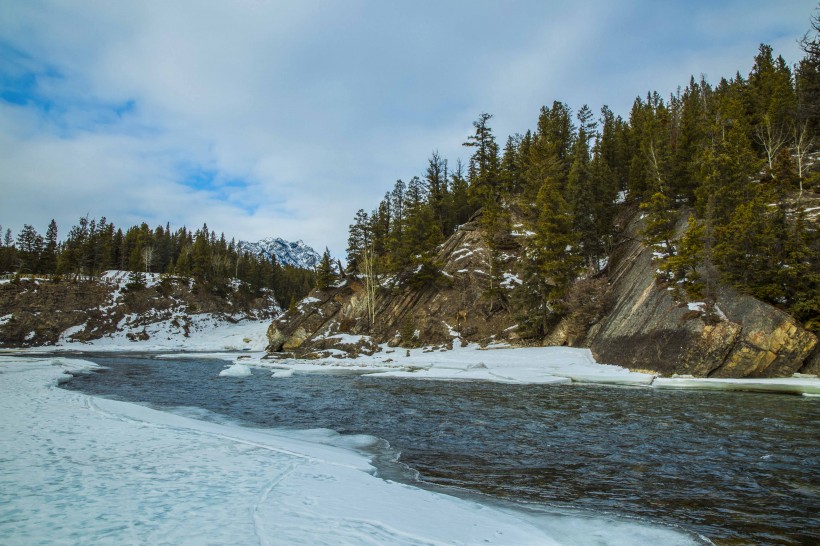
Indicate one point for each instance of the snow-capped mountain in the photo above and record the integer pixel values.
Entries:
(286, 253)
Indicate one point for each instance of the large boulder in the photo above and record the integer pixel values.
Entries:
(735, 336)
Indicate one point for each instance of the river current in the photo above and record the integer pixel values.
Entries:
(738, 468)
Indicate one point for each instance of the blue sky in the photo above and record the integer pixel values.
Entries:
(267, 118)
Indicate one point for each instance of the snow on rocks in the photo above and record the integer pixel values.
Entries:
(80, 469)
(511, 280)
(205, 332)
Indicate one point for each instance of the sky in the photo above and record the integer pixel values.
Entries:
(282, 119)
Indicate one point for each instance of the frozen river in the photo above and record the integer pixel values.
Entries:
(734, 467)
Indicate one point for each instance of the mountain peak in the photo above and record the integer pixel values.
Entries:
(296, 254)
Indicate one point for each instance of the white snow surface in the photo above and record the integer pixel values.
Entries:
(348, 339)
(790, 385)
(207, 332)
(83, 470)
(511, 280)
(501, 363)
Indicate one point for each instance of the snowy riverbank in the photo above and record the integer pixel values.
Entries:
(244, 343)
(78, 469)
(534, 365)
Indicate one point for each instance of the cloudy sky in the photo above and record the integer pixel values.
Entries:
(273, 118)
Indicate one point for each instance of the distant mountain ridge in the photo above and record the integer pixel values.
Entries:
(296, 254)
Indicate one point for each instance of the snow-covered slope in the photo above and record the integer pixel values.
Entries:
(297, 254)
(167, 313)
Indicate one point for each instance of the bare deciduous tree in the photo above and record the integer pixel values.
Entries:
(148, 257)
(771, 137)
(370, 282)
(803, 144)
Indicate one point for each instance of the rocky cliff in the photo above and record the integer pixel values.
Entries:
(35, 312)
(734, 336)
(451, 308)
(644, 328)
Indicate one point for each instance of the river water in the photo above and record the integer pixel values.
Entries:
(738, 468)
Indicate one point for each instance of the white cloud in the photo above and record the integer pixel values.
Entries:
(318, 107)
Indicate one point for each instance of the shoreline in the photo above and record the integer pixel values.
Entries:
(512, 365)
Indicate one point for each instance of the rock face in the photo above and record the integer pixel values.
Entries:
(38, 312)
(644, 328)
(739, 337)
(455, 307)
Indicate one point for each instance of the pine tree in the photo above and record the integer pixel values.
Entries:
(691, 253)
(801, 274)
(749, 249)
(29, 248)
(462, 209)
(8, 254)
(325, 276)
(485, 168)
(550, 154)
(550, 263)
(807, 80)
(438, 191)
(48, 259)
(659, 230)
(359, 239)
(726, 174)
(692, 139)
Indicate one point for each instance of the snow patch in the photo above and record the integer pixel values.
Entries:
(511, 280)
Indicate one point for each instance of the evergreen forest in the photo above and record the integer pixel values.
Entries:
(92, 247)
(723, 174)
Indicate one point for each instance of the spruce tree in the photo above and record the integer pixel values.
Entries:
(29, 248)
(550, 263)
(325, 276)
(659, 230)
(485, 169)
(690, 255)
(48, 259)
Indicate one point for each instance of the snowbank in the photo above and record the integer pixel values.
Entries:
(788, 385)
(534, 365)
(79, 469)
(206, 332)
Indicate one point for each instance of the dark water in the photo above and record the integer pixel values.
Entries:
(739, 468)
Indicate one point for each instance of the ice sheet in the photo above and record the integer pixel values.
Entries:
(788, 385)
(501, 364)
(532, 365)
(236, 370)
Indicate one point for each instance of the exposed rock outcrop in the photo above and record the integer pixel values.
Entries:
(452, 308)
(37, 312)
(738, 336)
(644, 328)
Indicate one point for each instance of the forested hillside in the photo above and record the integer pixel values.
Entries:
(737, 157)
(92, 247)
